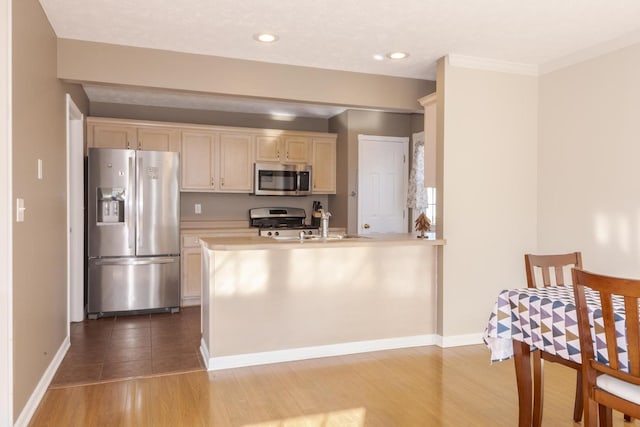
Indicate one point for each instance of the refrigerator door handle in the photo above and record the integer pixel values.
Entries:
(134, 261)
(140, 204)
(131, 214)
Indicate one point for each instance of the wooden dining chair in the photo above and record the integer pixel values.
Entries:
(609, 385)
(546, 268)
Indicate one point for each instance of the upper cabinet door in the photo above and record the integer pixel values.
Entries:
(296, 149)
(112, 136)
(198, 158)
(324, 166)
(132, 137)
(236, 163)
(158, 139)
(268, 148)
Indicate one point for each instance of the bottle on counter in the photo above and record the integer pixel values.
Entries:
(316, 215)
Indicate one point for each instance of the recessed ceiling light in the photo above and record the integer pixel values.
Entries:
(265, 37)
(378, 57)
(397, 55)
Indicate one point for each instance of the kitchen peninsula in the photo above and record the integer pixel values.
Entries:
(266, 300)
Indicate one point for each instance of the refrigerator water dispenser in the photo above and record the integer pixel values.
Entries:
(110, 205)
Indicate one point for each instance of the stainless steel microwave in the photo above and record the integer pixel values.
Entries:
(274, 179)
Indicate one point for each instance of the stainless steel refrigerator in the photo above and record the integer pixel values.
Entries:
(133, 231)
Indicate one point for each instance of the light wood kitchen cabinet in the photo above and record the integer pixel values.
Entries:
(190, 269)
(216, 162)
(111, 134)
(199, 161)
(324, 166)
(296, 149)
(220, 159)
(158, 139)
(268, 148)
(236, 163)
(190, 272)
(283, 149)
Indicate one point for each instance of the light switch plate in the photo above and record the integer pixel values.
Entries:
(198, 208)
(39, 168)
(20, 210)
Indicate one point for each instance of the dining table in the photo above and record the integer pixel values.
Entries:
(525, 320)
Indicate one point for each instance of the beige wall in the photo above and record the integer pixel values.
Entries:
(83, 61)
(489, 195)
(39, 243)
(218, 206)
(588, 168)
(348, 126)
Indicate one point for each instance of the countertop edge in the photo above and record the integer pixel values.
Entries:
(260, 243)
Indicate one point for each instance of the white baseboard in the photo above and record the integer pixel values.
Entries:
(289, 355)
(204, 351)
(458, 340)
(37, 395)
(190, 301)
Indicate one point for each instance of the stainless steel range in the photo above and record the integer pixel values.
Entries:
(280, 222)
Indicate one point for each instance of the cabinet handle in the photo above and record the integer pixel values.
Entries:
(221, 182)
(213, 185)
(140, 145)
(128, 144)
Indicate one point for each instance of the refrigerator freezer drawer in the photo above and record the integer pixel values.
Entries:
(124, 284)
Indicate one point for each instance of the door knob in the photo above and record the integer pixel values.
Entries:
(366, 226)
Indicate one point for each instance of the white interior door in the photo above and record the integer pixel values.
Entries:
(383, 174)
(75, 212)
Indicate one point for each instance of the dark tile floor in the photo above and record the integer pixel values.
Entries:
(121, 347)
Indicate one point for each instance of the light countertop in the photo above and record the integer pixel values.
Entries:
(232, 243)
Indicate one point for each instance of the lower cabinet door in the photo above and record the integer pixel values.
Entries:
(191, 276)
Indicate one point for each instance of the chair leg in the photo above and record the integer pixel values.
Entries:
(590, 410)
(538, 387)
(579, 403)
(627, 418)
(604, 414)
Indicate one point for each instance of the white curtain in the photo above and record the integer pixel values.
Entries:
(417, 194)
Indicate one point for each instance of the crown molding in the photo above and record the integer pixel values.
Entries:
(488, 64)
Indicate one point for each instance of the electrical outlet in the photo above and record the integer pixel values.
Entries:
(198, 208)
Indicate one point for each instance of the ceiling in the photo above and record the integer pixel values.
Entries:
(345, 34)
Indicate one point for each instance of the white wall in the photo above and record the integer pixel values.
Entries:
(589, 150)
(489, 196)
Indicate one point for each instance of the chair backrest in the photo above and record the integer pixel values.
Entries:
(546, 263)
(627, 292)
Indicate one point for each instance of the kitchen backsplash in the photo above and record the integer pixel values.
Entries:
(217, 206)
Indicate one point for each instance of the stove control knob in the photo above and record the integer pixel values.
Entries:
(269, 233)
(277, 233)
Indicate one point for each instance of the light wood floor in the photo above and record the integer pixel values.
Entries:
(425, 386)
